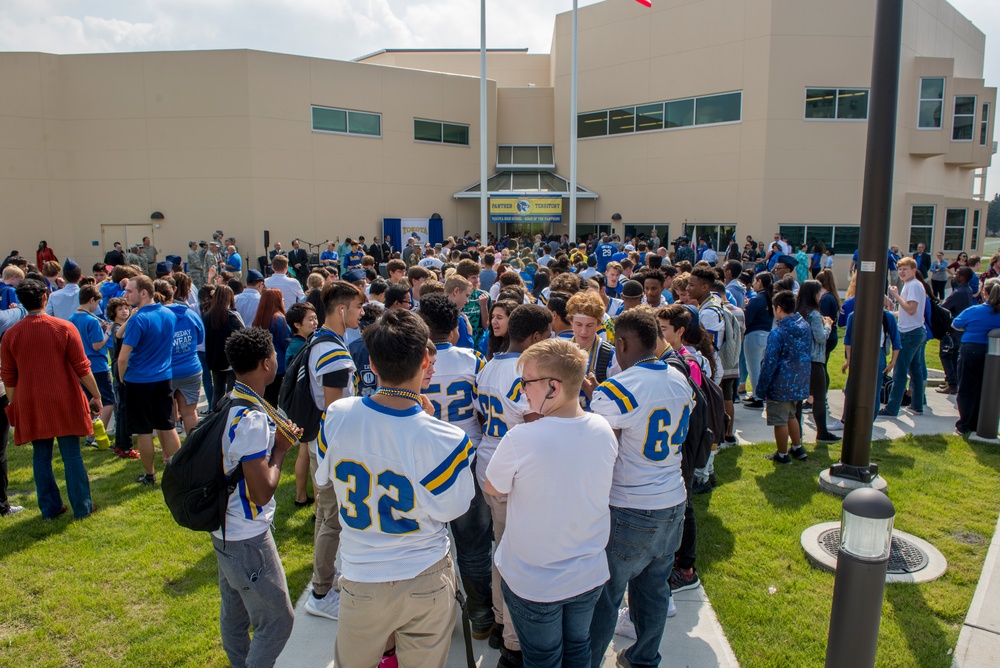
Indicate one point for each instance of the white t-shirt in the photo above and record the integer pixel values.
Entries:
(711, 318)
(651, 404)
(431, 262)
(501, 401)
(399, 476)
(912, 292)
(553, 546)
(291, 289)
(452, 391)
(250, 436)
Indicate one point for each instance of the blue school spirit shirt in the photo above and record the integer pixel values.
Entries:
(189, 333)
(150, 332)
(89, 326)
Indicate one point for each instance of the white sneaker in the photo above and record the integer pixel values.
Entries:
(328, 606)
(671, 608)
(836, 425)
(625, 627)
(11, 510)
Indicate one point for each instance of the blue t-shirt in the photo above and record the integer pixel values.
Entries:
(619, 256)
(189, 333)
(604, 254)
(353, 259)
(235, 261)
(89, 326)
(150, 332)
(8, 296)
(328, 255)
(977, 321)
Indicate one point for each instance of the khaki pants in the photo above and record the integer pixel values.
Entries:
(420, 612)
(498, 510)
(326, 533)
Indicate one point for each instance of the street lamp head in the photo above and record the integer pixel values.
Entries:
(866, 524)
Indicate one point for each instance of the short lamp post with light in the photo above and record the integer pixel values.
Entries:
(859, 586)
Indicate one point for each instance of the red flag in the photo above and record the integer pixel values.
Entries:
(647, 3)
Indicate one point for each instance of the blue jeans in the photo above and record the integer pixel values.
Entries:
(753, 348)
(473, 533)
(640, 556)
(743, 369)
(909, 363)
(77, 484)
(206, 378)
(553, 634)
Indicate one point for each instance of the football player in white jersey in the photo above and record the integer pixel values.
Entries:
(649, 404)
(399, 475)
(331, 369)
(452, 394)
(501, 401)
(254, 442)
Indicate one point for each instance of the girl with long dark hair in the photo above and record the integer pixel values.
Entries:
(221, 320)
(271, 316)
(807, 305)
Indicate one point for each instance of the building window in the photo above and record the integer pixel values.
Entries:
(984, 125)
(706, 110)
(954, 229)
(837, 103)
(843, 239)
(975, 229)
(717, 236)
(511, 156)
(441, 133)
(964, 118)
(921, 226)
(931, 103)
(327, 119)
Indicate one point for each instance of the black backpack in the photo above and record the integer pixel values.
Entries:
(940, 320)
(605, 351)
(295, 396)
(698, 443)
(195, 486)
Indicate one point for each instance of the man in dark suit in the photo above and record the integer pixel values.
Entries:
(298, 260)
(115, 256)
(923, 260)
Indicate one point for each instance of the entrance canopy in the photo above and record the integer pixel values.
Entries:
(526, 183)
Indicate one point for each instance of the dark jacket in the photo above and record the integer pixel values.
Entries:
(215, 340)
(784, 373)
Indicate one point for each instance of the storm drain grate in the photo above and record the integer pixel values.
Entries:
(904, 556)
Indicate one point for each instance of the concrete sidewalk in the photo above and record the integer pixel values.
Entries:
(979, 640)
(693, 638)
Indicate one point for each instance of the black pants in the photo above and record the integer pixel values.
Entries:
(971, 359)
(272, 390)
(123, 438)
(685, 554)
(4, 433)
(818, 383)
(222, 385)
(949, 359)
(937, 287)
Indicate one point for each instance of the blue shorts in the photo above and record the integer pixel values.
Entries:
(105, 387)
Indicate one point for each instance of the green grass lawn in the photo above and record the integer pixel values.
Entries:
(128, 586)
(944, 490)
(990, 246)
(838, 379)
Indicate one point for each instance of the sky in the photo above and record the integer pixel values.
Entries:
(338, 29)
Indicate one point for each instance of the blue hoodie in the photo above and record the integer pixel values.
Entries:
(784, 372)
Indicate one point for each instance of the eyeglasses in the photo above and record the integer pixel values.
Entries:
(528, 381)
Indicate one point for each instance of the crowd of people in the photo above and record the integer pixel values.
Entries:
(447, 386)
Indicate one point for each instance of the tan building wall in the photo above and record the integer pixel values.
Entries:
(223, 139)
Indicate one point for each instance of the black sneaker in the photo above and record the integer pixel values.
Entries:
(681, 581)
(753, 403)
(827, 438)
(799, 453)
(779, 458)
(701, 487)
(147, 479)
(496, 636)
(510, 658)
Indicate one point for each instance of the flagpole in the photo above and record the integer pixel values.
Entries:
(573, 132)
(483, 186)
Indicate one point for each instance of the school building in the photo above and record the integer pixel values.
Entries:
(723, 118)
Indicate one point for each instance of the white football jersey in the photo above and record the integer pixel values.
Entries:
(249, 435)
(651, 404)
(399, 475)
(327, 355)
(501, 401)
(452, 391)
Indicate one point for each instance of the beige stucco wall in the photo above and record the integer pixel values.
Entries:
(514, 68)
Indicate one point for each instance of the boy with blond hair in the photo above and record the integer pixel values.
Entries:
(550, 587)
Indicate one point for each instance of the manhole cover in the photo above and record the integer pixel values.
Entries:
(904, 556)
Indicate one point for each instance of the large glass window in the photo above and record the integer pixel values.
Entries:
(524, 156)
(839, 103)
(593, 124)
(707, 110)
(727, 108)
(975, 229)
(984, 124)
(954, 229)
(931, 108)
(807, 234)
(440, 132)
(846, 239)
(327, 119)
(921, 226)
(964, 118)
(717, 236)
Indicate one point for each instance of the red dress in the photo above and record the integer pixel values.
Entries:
(43, 358)
(45, 255)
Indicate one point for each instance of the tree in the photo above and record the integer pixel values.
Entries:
(993, 217)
